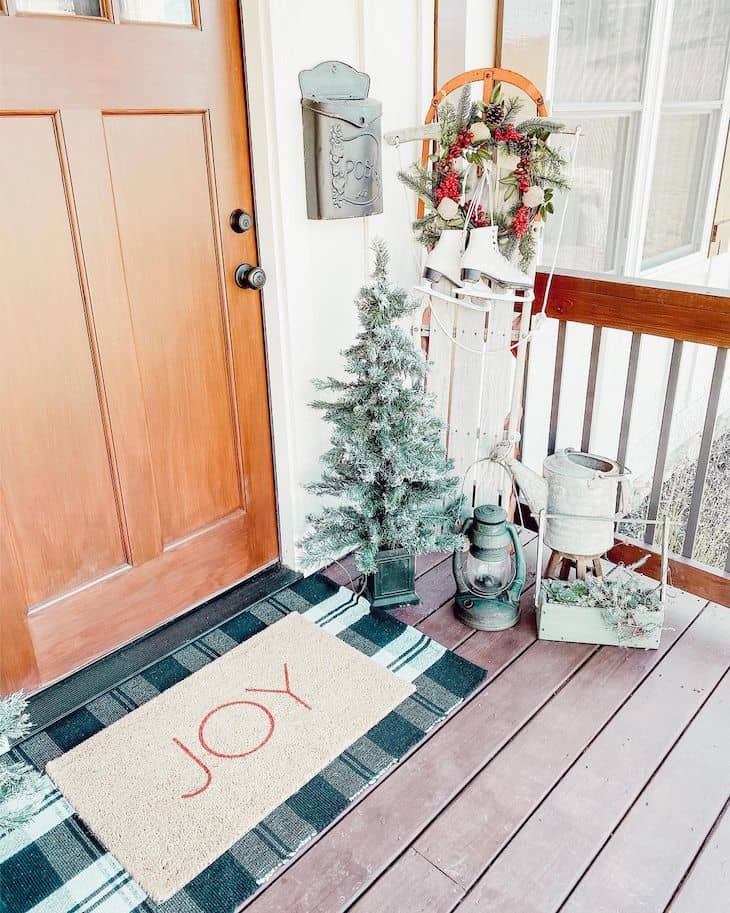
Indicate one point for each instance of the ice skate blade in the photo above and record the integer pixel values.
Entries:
(433, 275)
(491, 295)
(506, 284)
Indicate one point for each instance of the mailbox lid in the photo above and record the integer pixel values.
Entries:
(359, 112)
(333, 79)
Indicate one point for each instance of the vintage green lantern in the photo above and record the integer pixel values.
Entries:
(490, 574)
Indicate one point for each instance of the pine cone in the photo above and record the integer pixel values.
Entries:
(524, 148)
(494, 115)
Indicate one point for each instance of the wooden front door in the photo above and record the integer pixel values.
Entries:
(135, 453)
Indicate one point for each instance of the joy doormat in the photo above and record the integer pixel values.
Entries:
(236, 756)
(211, 757)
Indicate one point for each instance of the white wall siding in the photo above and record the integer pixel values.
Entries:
(316, 267)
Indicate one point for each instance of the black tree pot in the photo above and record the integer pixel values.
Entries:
(394, 582)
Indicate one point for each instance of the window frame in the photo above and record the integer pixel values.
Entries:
(195, 22)
(646, 113)
(106, 13)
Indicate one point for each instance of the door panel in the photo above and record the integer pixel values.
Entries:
(53, 442)
(159, 173)
(135, 460)
(85, 145)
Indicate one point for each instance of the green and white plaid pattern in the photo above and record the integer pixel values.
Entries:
(54, 865)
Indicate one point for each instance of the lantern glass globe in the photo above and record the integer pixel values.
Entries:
(490, 573)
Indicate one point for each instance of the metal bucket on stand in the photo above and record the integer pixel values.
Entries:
(582, 485)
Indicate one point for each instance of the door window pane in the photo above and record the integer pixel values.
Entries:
(176, 12)
(678, 193)
(600, 53)
(64, 7)
(591, 225)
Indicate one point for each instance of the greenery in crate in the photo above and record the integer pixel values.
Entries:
(472, 134)
(387, 466)
(625, 605)
(20, 785)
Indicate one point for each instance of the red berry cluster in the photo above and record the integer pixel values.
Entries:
(522, 172)
(508, 134)
(463, 141)
(521, 221)
(449, 187)
(479, 218)
(449, 184)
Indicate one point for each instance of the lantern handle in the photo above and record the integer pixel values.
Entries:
(540, 538)
(458, 557)
(518, 582)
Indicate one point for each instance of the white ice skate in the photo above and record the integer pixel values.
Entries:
(482, 258)
(444, 261)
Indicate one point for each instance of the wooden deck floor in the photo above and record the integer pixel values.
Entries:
(579, 779)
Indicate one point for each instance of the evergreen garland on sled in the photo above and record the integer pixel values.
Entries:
(387, 465)
(472, 134)
(20, 787)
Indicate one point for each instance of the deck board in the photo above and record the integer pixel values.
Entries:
(551, 852)
(475, 827)
(636, 871)
(707, 884)
(381, 827)
(435, 588)
(416, 887)
(510, 804)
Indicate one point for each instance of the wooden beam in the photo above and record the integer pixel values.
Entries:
(684, 573)
(676, 314)
(499, 34)
(435, 75)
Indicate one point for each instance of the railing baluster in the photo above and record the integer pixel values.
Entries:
(557, 381)
(523, 404)
(703, 459)
(663, 445)
(623, 439)
(585, 443)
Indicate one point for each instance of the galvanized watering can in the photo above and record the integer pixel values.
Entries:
(575, 486)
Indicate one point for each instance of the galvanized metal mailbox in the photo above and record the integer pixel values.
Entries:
(342, 137)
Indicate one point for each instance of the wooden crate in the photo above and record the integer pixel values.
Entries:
(585, 625)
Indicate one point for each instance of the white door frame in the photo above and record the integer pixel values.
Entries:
(263, 132)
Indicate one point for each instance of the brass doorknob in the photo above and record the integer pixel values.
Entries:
(248, 276)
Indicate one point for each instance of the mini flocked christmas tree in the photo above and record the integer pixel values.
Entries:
(387, 466)
(20, 786)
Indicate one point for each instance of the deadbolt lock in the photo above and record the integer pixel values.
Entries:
(241, 221)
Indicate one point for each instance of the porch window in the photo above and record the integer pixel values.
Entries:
(648, 81)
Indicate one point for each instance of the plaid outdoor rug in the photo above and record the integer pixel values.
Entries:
(54, 865)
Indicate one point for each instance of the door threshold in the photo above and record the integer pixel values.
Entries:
(63, 697)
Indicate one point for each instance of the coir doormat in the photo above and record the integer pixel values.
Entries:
(208, 759)
(301, 727)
